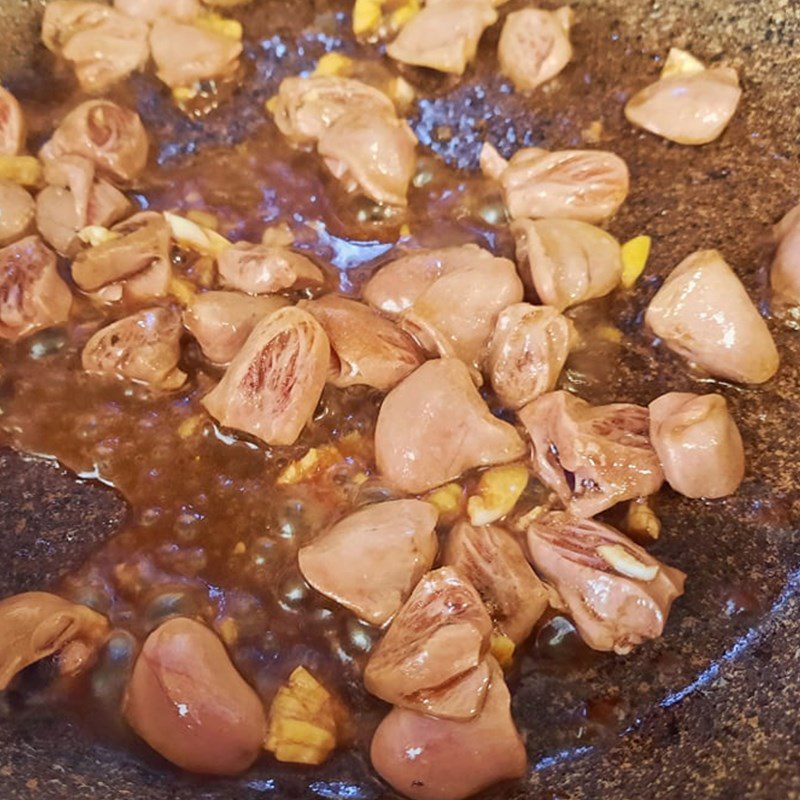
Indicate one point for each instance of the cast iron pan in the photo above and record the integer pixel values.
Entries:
(709, 710)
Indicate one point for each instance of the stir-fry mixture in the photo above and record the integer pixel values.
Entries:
(397, 455)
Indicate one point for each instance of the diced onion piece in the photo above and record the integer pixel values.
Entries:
(498, 491)
(679, 62)
(634, 259)
(625, 564)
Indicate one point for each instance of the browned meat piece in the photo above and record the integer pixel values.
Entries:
(152, 10)
(617, 594)
(12, 125)
(306, 107)
(492, 561)
(137, 261)
(366, 348)
(527, 352)
(586, 185)
(188, 702)
(703, 313)
(693, 108)
(425, 758)
(395, 287)
(110, 136)
(274, 383)
(435, 425)
(534, 45)
(186, 54)
(698, 443)
(222, 321)
(36, 625)
(144, 347)
(32, 294)
(569, 262)
(591, 457)
(444, 36)
(785, 274)
(371, 153)
(419, 289)
(263, 269)
(103, 45)
(433, 656)
(17, 212)
(371, 560)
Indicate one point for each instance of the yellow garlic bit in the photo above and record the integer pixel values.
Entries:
(203, 218)
(609, 333)
(231, 28)
(641, 520)
(498, 491)
(502, 648)
(679, 62)
(401, 92)
(191, 425)
(185, 94)
(24, 170)
(182, 290)
(634, 259)
(333, 64)
(271, 105)
(302, 722)
(448, 501)
(616, 556)
(195, 237)
(95, 235)
(367, 15)
(311, 464)
(403, 14)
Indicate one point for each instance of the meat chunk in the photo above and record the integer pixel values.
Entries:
(32, 294)
(103, 45)
(591, 457)
(527, 352)
(433, 656)
(274, 382)
(110, 136)
(222, 321)
(371, 560)
(152, 10)
(137, 260)
(35, 625)
(144, 347)
(188, 702)
(17, 212)
(419, 289)
(366, 348)
(569, 262)
(425, 758)
(434, 426)
(306, 107)
(186, 54)
(264, 269)
(493, 562)
(374, 154)
(586, 185)
(534, 45)
(698, 443)
(785, 274)
(12, 125)
(617, 594)
(703, 313)
(443, 36)
(690, 108)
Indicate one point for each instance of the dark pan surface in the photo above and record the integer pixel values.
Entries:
(709, 711)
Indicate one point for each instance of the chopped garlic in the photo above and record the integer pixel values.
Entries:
(272, 104)
(403, 15)
(334, 64)
(203, 218)
(679, 62)
(182, 290)
(224, 26)
(634, 259)
(310, 465)
(448, 501)
(195, 237)
(498, 491)
(278, 236)
(367, 16)
(641, 520)
(185, 94)
(24, 170)
(191, 425)
(502, 648)
(626, 564)
(302, 722)
(94, 235)
(401, 92)
(609, 333)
